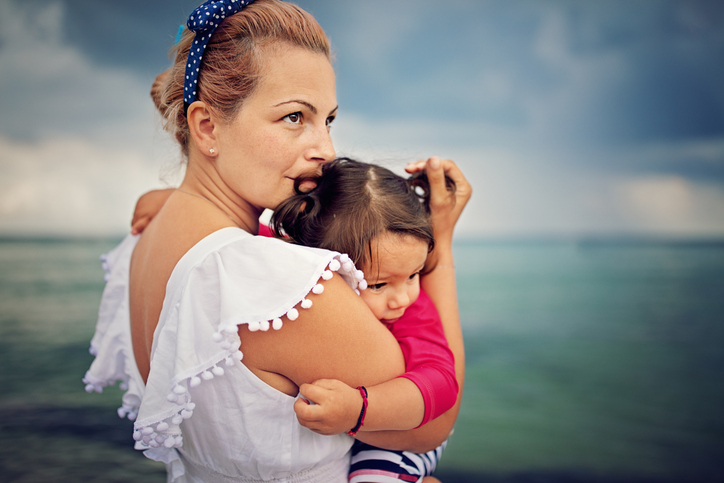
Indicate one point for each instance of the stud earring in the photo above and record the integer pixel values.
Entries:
(211, 151)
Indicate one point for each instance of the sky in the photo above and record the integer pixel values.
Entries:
(570, 119)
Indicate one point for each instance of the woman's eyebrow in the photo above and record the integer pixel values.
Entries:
(304, 103)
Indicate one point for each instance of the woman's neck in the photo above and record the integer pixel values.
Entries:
(205, 183)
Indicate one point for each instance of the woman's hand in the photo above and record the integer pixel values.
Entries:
(147, 207)
(445, 206)
(334, 409)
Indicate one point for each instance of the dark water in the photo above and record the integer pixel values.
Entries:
(585, 363)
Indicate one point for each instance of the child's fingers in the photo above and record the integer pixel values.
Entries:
(139, 223)
(306, 413)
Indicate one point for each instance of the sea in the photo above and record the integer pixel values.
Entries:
(594, 360)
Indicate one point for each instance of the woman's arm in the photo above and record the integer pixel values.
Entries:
(439, 283)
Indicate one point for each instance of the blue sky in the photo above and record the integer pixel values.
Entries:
(570, 118)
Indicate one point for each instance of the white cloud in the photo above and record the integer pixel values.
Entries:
(70, 186)
(79, 142)
(524, 192)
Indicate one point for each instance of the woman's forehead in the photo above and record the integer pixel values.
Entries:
(290, 73)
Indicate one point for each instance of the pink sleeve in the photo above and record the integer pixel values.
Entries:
(429, 363)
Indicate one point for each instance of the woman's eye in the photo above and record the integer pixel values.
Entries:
(377, 286)
(329, 121)
(294, 118)
(412, 277)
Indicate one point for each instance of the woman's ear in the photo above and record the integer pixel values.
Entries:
(202, 127)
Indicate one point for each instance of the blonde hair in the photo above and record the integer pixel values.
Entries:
(232, 63)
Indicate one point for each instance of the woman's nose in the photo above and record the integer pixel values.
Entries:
(323, 149)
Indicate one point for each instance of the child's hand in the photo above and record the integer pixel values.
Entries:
(147, 207)
(335, 410)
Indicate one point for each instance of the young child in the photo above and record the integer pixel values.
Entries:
(378, 219)
(381, 221)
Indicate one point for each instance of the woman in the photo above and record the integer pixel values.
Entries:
(197, 286)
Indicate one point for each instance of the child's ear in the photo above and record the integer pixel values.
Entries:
(202, 126)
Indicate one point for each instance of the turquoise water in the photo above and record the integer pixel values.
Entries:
(585, 362)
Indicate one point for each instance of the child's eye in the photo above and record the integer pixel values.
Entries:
(412, 277)
(293, 118)
(377, 286)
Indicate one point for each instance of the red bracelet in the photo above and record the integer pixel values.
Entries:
(362, 413)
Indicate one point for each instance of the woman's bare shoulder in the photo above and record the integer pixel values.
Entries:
(337, 338)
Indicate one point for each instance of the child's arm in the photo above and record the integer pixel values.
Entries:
(393, 405)
(147, 207)
(429, 365)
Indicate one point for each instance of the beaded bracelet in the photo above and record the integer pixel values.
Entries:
(362, 413)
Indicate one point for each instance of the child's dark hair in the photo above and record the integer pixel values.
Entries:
(353, 204)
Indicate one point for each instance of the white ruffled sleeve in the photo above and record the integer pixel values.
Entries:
(228, 279)
(111, 344)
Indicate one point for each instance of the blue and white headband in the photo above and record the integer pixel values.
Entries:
(203, 22)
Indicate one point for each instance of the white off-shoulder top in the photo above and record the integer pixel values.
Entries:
(202, 411)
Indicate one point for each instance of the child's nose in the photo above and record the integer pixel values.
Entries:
(400, 299)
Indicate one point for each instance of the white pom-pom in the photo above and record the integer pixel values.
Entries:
(229, 361)
(317, 289)
(179, 390)
(356, 291)
(153, 443)
(123, 386)
(348, 266)
(306, 303)
(293, 314)
(207, 376)
(89, 388)
(132, 416)
(362, 285)
(254, 326)
(230, 329)
(186, 414)
(171, 397)
(327, 274)
(170, 442)
(179, 441)
(191, 406)
(137, 435)
(264, 325)
(162, 426)
(226, 345)
(238, 355)
(359, 275)
(195, 381)
(334, 265)
(277, 323)
(147, 430)
(217, 337)
(218, 371)
(122, 412)
(177, 419)
(344, 258)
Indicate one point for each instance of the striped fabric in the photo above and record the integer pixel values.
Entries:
(374, 465)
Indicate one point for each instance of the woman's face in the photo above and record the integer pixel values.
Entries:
(282, 130)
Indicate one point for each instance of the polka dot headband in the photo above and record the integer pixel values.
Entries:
(203, 22)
